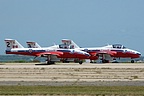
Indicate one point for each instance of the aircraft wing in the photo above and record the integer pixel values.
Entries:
(108, 52)
(45, 54)
(103, 52)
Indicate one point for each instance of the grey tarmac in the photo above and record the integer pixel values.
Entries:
(67, 74)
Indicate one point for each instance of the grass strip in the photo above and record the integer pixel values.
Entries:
(72, 90)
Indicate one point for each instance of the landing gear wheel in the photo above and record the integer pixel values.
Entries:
(80, 62)
(50, 62)
(91, 61)
(132, 61)
(65, 61)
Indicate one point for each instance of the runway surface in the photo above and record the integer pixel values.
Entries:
(72, 65)
(65, 74)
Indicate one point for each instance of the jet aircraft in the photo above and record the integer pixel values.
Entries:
(14, 47)
(106, 53)
(66, 44)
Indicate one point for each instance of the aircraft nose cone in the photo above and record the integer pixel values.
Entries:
(139, 53)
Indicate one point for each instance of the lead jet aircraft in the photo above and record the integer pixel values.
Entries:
(106, 53)
(14, 47)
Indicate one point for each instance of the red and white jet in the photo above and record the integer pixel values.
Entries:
(14, 47)
(106, 53)
(66, 44)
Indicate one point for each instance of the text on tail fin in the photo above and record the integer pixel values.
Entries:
(33, 45)
(11, 44)
(70, 43)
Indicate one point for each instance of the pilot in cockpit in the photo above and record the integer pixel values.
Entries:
(119, 46)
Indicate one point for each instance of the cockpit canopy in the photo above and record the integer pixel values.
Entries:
(118, 46)
(66, 46)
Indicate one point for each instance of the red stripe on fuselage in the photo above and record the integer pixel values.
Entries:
(24, 53)
(64, 55)
(126, 55)
(73, 55)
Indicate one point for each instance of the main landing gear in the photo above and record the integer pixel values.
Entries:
(132, 61)
(80, 62)
(48, 61)
(64, 60)
(75, 60)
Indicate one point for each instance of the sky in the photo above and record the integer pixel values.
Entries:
(89, 23)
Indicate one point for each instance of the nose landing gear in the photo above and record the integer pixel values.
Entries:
(80, 62)
(132, 61)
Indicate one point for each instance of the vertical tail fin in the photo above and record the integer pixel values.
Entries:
(11, 44)
(70, 43)
(31, 44)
